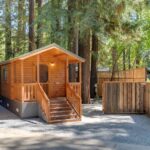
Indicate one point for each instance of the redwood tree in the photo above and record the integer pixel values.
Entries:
(21, 26)
(39, 25)
(94, 57)
(8, 43)
(72, 34)
(31, 26)
(84, 51)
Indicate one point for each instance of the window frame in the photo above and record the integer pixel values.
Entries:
(5, 74)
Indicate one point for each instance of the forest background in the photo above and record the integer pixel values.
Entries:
(112, 34)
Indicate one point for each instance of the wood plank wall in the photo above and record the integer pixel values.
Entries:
(29, 69)
(57, 75)
(133, 75)
(123, 97)
(6, 84)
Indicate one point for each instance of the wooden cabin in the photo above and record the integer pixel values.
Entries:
(37, 84)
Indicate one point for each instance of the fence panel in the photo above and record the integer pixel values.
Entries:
(123, 97)
(133, 75)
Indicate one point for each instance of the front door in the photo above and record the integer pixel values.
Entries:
(44, 77)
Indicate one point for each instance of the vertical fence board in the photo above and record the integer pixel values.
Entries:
(147, 98)
(133, 96)
(129, 97)
(121, 97)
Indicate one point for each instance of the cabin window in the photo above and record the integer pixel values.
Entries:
(5, 73)
(73, 73)
(43, 73)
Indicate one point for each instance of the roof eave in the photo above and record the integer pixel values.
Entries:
(41, 50)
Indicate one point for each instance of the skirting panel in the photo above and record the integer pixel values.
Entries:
(22, 109)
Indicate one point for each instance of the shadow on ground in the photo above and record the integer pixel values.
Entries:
(93, 132)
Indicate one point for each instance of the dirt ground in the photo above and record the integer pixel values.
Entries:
(95, 131)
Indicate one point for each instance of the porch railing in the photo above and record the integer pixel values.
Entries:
(45, 87)
(29, 91)
(76, 87)
(43, 102)
(73, 97)
(24, 92)
(36, 92)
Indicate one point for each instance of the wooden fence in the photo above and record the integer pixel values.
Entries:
(147, 98)
(126, 97)
(132, 75)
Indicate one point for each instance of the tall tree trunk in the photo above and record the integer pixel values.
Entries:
(114, 62)
(137, 58)
(72, 35)
(124, 59)
(56, 38)
(32, 45)
(8, 44)
(39, 25)
(21, 26)
(84, 51)
(94, 57)
(129, 59)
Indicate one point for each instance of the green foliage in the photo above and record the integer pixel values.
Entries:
(120, 24)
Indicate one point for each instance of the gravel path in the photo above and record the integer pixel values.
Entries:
(94, 131)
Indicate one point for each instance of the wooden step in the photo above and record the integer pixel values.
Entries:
(58, 102)
(60, 109)
(58, 99)
(60, 117)
(62, 112)
(64, 120)
(59, 105)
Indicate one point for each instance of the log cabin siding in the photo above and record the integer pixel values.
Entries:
(17, 72)
(29, 69)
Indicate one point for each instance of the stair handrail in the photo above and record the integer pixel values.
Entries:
(43, 101)
(76, 97)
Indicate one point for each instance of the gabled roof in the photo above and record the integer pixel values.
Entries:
(44, 49)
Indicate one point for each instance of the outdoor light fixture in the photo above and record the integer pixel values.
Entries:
(52, 64)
